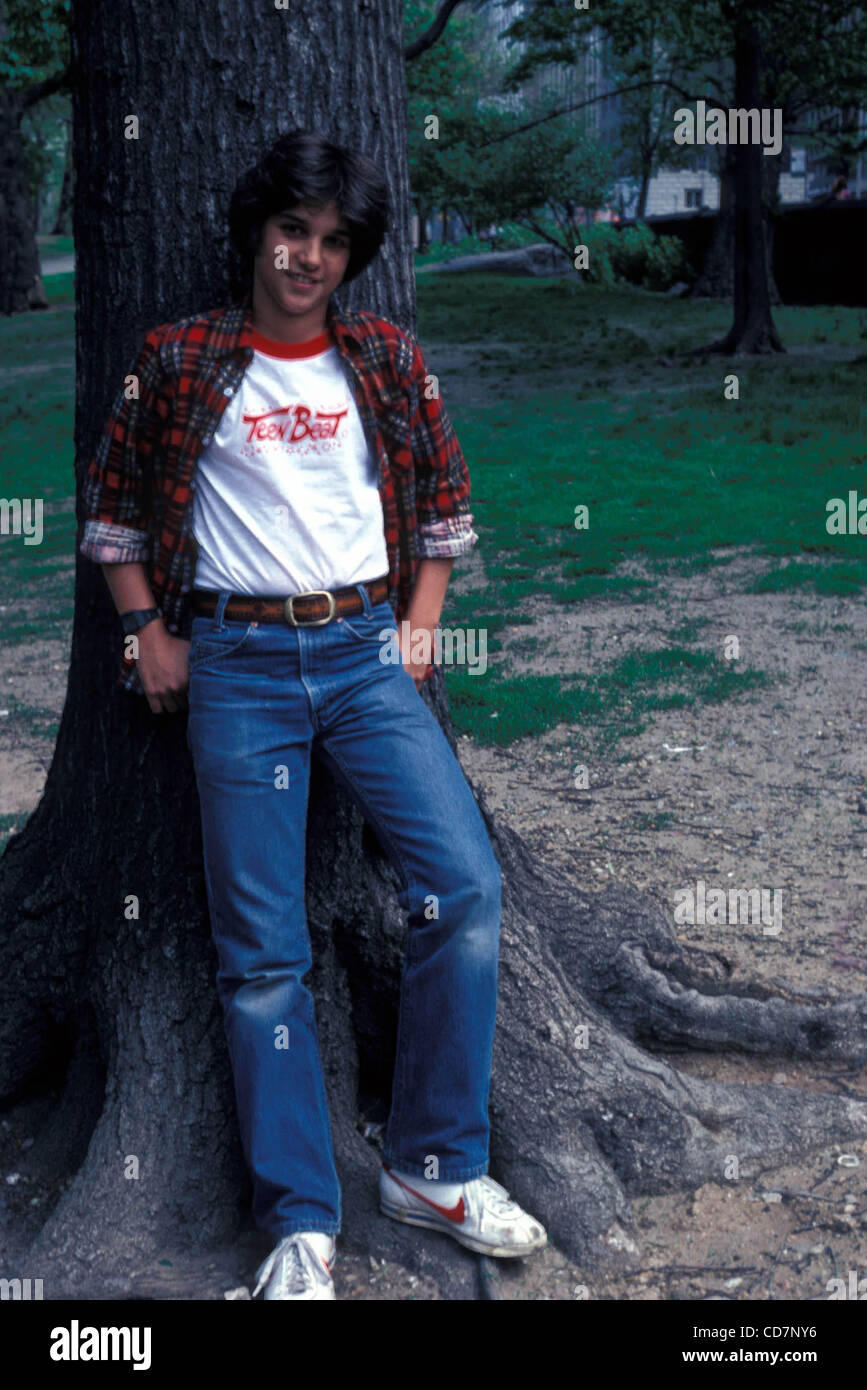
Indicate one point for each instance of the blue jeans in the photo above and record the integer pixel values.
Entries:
(262, 698)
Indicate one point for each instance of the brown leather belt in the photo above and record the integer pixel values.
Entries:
(311, 608)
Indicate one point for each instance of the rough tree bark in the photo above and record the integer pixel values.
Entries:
(118, 1015)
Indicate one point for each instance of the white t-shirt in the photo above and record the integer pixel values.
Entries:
(286, 495)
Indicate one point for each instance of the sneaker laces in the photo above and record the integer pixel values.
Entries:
(294, 1275)
(498, 1198)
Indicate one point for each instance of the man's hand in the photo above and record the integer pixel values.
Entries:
(163, 665)
(419, 670)
(423, 614)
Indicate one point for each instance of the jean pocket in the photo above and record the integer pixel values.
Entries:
(215, 644)
(367, 627)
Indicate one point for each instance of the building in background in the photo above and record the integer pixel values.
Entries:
(698, 186)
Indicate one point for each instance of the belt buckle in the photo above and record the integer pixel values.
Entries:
(289, 615)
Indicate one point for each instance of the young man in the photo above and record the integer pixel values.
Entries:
(280, 492)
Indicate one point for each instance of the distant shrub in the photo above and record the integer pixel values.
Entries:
(509, 237)
(601, 241)
(642, 258)
(635, 255)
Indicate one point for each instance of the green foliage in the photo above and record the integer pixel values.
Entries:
(643, 48)
(629, 256)
(437, 84)
(639, 257)
(540, 178)
(814, 60)
(34, 46)
(35, 41)
(509, 236)
(473, 160)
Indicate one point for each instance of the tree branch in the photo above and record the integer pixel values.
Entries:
(590, 101)
(531, 222)
(41, 90)
(432, 33)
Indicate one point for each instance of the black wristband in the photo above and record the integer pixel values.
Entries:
(136, 619)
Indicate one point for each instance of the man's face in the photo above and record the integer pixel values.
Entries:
(302, 259)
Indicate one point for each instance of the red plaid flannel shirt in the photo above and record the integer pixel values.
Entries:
(138, 489)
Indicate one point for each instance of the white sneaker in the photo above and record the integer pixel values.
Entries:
(295, 1269)
(482, 1216)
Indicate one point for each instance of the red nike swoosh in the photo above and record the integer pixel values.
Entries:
(455, 1213)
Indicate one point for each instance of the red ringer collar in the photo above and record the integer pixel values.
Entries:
(312, 348)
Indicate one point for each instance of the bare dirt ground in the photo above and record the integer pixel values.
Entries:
(768, 791)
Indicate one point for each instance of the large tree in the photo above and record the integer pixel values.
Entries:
(107, 971)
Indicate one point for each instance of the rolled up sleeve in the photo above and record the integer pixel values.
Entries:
(442, 479)
(117, 486)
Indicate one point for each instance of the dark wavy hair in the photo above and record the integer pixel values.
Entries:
(302, 167)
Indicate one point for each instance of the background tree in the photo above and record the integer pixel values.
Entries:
(109, 1018)
(438, 82)
(645, 60)
(33, 56)
(801, 55)
(63, 213)
(544, 179)
(46, 126)
(541, 180)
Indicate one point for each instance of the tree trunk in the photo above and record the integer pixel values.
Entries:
(646, 150)
(63, 219)
(21, 287)
(753, 329)
(422, 210)
(716, 278)
(110, 1026)
(643, 189)
(771, 169)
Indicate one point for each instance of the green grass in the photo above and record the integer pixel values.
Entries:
(836, 577)
(567, 396)
(59, 289)
(33, 719)
(50, 246)
(581, 396)
(606, 706)
(652, 820)
(695, 476)
(582, 327)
